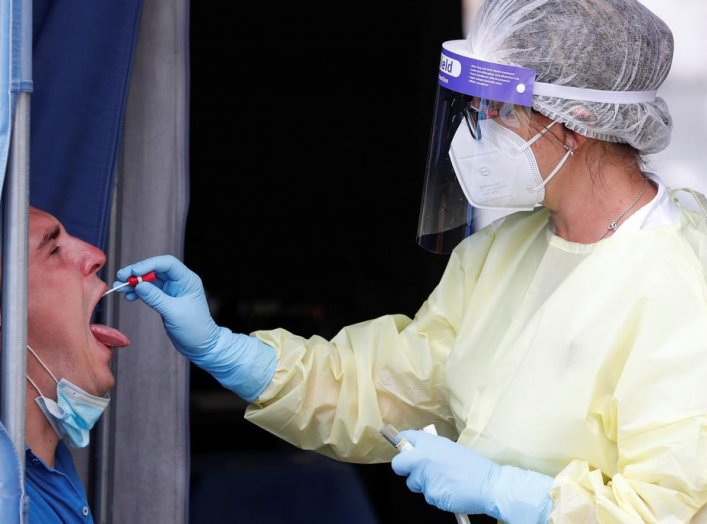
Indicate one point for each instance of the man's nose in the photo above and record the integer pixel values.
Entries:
(92, 258)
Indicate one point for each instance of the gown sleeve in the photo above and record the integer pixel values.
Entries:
(333, 396)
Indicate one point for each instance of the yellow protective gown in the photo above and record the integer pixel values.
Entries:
(584, 362)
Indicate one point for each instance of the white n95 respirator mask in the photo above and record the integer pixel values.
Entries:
(497, 169)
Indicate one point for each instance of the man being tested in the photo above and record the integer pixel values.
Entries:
(563, 355)
(68, 366)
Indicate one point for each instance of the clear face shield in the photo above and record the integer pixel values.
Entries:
(480, 149)
(480, 154)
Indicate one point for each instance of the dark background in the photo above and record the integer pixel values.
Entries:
(309, 130)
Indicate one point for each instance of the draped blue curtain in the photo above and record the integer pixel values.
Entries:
(7, 103)
(83, 53)
(15, 67)
(10, 475)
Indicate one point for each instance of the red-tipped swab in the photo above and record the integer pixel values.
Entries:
(134, 281)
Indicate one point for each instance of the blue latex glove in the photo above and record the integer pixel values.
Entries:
(241, 363)
(457, 479)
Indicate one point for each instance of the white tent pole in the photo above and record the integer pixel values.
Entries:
(14, 285)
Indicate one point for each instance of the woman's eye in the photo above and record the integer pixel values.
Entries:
(55, 250)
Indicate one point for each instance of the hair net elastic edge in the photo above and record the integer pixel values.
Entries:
(544, 105)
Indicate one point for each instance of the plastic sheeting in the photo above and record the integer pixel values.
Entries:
(150, 470)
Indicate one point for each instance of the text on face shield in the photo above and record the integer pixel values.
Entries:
(450, 66)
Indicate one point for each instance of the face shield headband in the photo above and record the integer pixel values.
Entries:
(480, 153)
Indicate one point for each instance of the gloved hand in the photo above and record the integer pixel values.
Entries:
(457, 479)
(241, 363)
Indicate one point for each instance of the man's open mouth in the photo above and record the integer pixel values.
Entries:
(106, 335)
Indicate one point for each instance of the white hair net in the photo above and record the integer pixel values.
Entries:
(609, 45)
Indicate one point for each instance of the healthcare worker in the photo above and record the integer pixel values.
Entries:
(563, 356)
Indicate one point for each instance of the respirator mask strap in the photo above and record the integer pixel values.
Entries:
(568, 154)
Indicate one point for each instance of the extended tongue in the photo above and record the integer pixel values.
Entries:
(109, 336)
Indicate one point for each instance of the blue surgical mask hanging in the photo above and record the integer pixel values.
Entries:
(74, 412)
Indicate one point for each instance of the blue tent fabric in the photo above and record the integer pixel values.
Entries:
(15, 68)
(83, 53)
(6, 100)
(10, 475)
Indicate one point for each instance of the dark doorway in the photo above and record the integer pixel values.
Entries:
(305, 192)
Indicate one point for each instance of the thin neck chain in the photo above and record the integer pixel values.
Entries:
(614, 224)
